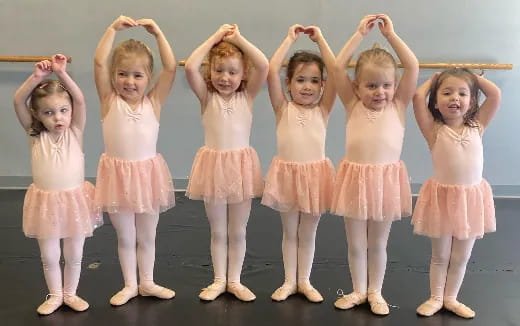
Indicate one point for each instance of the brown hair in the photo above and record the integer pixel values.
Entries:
(131, 49)
(304, 57)
(223, 50)
(44, 89)
(376, 55)
(471, 80)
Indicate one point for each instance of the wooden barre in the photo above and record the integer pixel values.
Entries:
(24, 58)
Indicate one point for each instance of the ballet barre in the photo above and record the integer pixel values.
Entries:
(25, 58)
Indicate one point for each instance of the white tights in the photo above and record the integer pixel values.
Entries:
(50, 254)
(448, 265)
(136, 245)
(299, 235)
(228, 224)
(367, 253)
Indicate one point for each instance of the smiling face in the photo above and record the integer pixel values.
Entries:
(226, 75)
(453, 99)
(306, 84)
(376, 86)
(54, 112)
(131, 79)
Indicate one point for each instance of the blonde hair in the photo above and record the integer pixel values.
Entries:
(220, 51)
(46, 88)
(378, 56)
(130, 49)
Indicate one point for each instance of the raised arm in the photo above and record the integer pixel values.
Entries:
(79, 116)
(163, 85)
(490, 106)
(274, 82)
(192, 67)
(423, 115)
(406, 89)
(21, 96)
(343, 83)
(256, 74)
(102, 55)
(329, 91)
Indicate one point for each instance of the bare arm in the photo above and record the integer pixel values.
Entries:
(489, 108)
(344, 84)
(258, 73)
(79, 115)
(21, 96)
(192, 67)
(163, 85)
(408, 82)
(423, 115)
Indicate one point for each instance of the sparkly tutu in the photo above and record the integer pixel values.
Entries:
(60, 214)
(296, 186)
(458, 210)
(225, 177)
(378, 192)
(139, 186)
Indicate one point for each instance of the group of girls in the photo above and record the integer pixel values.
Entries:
(370, 188)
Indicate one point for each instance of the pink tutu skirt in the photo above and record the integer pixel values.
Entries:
(225, 177)
(458, 210)
(60, 214)
(378, 192)
(138, 186)
(296, 186)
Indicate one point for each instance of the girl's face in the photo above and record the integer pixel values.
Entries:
(306, 84)
(131, 79)
(227, 74)
(376, 86)
(453, 99)
(54, 112)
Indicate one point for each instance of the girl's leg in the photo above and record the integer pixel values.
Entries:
(238, 217)
(73, 253)
(290, 221)
(460, 254)
(306, 244)
(50, 254)
(124, 224)
(357, 242)
(146, 227)
(217, 217)
(378, 233)
(441, 251)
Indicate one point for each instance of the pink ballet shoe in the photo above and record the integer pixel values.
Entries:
(211, 292)
(240, 291)
(378, 304)
(284, 291)
(310, 293)
(51, 304)
(123, 296)
(154, 290)
(350, 300)
(75, 303)
(459, 309)
(430, 307)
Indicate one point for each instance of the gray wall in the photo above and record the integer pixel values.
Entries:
(437, 31)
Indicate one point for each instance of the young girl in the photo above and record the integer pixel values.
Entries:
(226, 171)
(456, 205)
(300, 179)
(133, 184)
(372, 188)
(58, 205)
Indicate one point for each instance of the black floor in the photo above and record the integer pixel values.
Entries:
(491, 286)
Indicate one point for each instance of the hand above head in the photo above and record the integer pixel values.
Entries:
(149, 24)
(58, 63)
(385, 25)
(294, 31)
(224, 31)
(232, 35)
(366, 24)
(42, 69)
(314, 33)
(122, 23)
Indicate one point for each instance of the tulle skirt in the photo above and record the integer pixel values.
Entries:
(138, 186)
(461, 211)
(295, 186)
(378, 192)
(225, 177)
(49, 214)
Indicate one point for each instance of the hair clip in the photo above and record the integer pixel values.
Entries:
(43, 85)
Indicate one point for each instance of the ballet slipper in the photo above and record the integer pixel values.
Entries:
(350, 300)
(240, 291)
(284, 291)
(459, 309)
(51, 304)
(154, 290)
(378, 304)
(430, 306)
(75, 303)
(310, 293)
(211, 292)
(123, 296)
